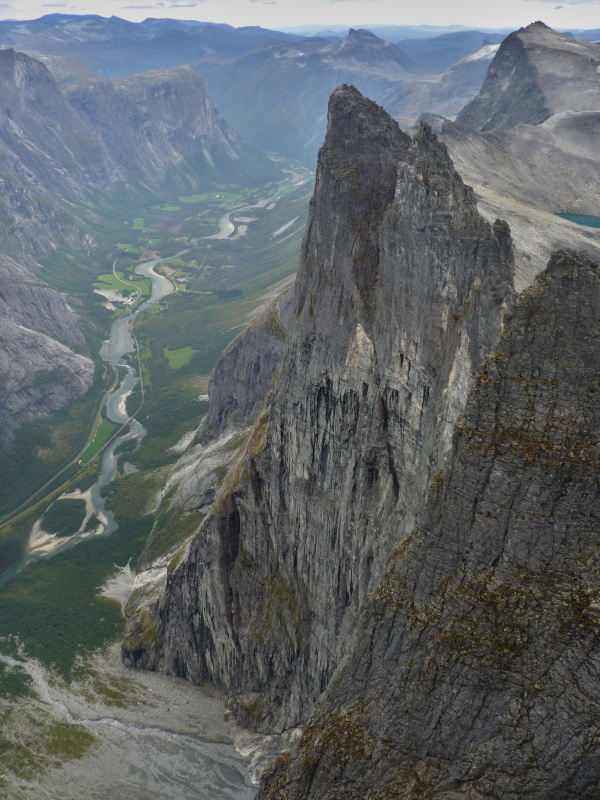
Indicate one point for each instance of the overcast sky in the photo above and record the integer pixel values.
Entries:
(286, 13)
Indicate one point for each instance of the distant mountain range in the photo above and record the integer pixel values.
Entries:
(273, 86)
(114, 47)
(276, 95)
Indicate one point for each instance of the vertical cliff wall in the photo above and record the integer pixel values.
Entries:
(400, 294)
(477, 662)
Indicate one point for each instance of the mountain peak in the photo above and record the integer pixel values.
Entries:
(536, 73)
(362, 33)
(538, 25)
(353, 119)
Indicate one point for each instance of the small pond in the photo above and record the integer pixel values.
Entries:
(582, 219)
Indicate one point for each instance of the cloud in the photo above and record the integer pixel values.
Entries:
(54, 5)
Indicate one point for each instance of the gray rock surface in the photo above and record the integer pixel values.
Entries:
(400, 294)
(527, 165)
(478, 656)
(538, 73)
(161, 128)
(42, 367)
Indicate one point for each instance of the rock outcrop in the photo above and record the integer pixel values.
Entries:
(400, 295)
(538, 73)
(528, 144)
(478, 655)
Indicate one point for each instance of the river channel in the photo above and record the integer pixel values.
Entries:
(120, 343)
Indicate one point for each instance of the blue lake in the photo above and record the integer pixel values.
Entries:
(582, 219)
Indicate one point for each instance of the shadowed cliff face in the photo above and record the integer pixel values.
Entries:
(399, 295)
(477, 660)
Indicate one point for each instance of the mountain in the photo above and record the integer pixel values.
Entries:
(528, 143)
(476, 658)
(141, 134)
(161, 128)
(444, 94)
(538, 73)
(398, 551)
(114, 48)
(440, 52)
(363, 370)
(276, 96)
(391, 33)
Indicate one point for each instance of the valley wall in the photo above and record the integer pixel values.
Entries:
(400, 294)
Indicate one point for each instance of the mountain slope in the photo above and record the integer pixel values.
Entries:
(477, 657)
(440, 52)
(276, 96)
(539, 73)
(161, 128)
(541, 157)
(443, 94)
(355, 425)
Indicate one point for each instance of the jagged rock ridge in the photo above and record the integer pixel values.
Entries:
(539, 72)
(477, 657)
(400, 294)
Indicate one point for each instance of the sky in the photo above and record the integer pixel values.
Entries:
(278, 14)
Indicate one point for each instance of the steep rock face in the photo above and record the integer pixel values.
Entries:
(477, 658)
(43, 142)
(399, 295)
(162, 129)
(238, 387)
(40, 368)
(539, 72)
